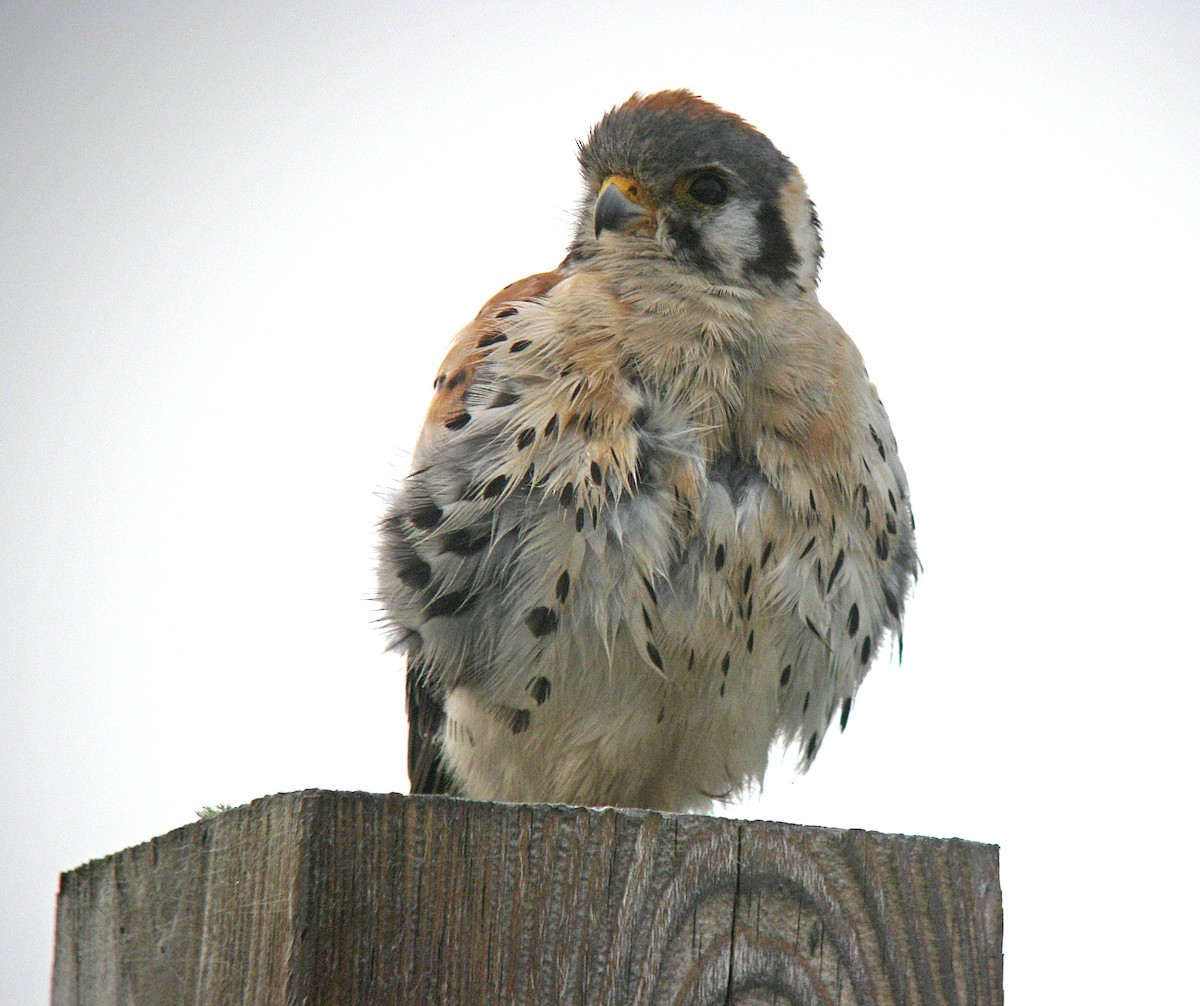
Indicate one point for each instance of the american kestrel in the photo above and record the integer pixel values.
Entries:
(656, 521)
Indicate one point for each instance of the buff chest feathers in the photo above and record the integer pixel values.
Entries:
(656, 521)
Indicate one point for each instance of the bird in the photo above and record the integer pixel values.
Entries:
(656, 524)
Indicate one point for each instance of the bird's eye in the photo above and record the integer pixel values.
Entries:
(709, 189)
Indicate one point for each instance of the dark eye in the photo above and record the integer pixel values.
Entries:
(709, 189)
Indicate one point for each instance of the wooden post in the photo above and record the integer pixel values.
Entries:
(349, 898)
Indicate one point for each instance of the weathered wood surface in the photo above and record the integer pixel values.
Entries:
(348, 898)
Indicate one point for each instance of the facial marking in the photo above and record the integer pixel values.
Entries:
(776, 254)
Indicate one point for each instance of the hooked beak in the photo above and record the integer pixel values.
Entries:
(623, 205)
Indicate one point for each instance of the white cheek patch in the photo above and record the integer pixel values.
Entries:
(731, 237)
(799, 217)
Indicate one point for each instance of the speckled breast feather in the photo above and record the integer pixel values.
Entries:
(656, 524)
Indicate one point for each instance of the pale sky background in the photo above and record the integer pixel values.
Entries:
(235, 239)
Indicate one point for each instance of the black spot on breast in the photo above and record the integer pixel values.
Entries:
(567, 497)
(415, 573)
(597, 474)
(519, 346)
(881, 546)
(654, 655)
(661, 713)
(865, 653)
(812, 747)
(426, 516)
(454, 603)
(776, 253)
(457, 422)
(526, 437)
(520, 721)
(837, 568)
(495, 487)
(491, 339)
(641, 416)
(807, 700)
(746, 578)
(539, 688)
(852, 620)
(766, 553)
(785, 676)
(890, 523)
(541, 621)
(725, 664)
(580, 517)
(465, 541)
(562, 587)
(719, 558)
(552, 426)
(646, 619)
(809, 547)
(505, 399)
(893, 605)
(650, 590)
(750, 642)
(846, 702)
(878, 443)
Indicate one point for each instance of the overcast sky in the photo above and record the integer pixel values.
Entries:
(236, 238)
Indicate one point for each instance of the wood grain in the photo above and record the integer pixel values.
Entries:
(351, 898)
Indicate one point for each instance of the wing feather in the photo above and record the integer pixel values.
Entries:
(451, 533)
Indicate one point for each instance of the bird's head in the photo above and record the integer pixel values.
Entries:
(673, 178)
